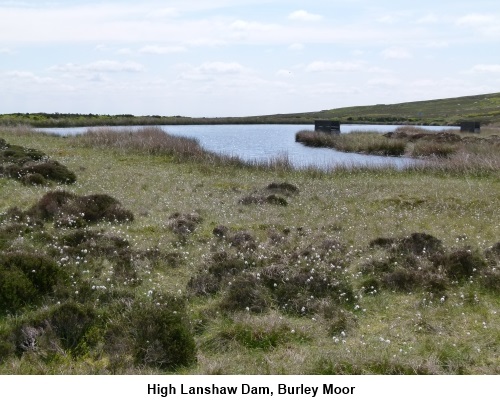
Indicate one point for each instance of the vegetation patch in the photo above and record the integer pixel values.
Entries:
(70, 210)
(159, 335)
(31, 166)
(371, 143)
(283, 187)
(26, 278)
(267, 333)
(420, 261)
(269, 195)
(184, 224)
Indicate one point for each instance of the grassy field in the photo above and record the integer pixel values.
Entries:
(161, 258)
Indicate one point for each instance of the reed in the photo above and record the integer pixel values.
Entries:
(149, 140)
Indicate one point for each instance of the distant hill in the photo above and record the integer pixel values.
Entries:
(448, 111)
(484, 108)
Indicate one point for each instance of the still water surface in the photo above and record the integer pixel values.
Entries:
(265, 142)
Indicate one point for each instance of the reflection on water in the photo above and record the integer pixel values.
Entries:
(265, 142)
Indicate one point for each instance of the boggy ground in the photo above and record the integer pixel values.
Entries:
(154, 261)
(459, 149)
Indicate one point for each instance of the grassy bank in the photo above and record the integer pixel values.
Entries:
(197, 264)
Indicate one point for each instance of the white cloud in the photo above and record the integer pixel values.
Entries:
(302, 15)
(205, 41)
(28, 76)
(486, 69)
(5, 50)
(164, 13)
(384, 82)
(284, 73)
(221, 68)
(124, 51)
(437, 44)
(103, 66)
(430, 18)
(387, 19)
(162, 50)
(484, 24)
(296, 47)
(475, 20)
(396, 53)
(243, 25)
(211, 70)
(322, 66)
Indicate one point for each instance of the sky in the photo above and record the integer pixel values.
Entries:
(220, 58)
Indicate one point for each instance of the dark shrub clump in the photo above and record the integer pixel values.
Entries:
(33, 179)
(70, 321)
(243, 240)
(221, 268)
(31, 166)
(420, 243)
(68, 209)
(246, 292)
(18, 154)
(50, 170)
(276, 200)
(163, 337)
(184, 224)
(25, 278)
(460, 264)
(220, 231)
(416, 243)
(285, 188)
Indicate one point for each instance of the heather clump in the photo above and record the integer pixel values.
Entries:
(31, 166)
(421, 262)
(283, 187)
(26, 278)
(220, 269)
(49, 170)
(157, 336)
(184, 224)
(246, 293)
(70, 210)
(460, 264)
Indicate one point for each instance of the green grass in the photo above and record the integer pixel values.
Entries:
(169, 255)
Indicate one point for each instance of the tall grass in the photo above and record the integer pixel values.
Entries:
(360, 142)
(149, 140)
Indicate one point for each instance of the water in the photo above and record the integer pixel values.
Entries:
(265, 142)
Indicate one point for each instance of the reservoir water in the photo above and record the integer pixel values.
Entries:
(265, 142)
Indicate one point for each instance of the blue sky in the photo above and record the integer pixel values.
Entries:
(238, 58)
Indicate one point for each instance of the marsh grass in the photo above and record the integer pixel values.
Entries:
(331, 280)
(359, 142)
(449, 151)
